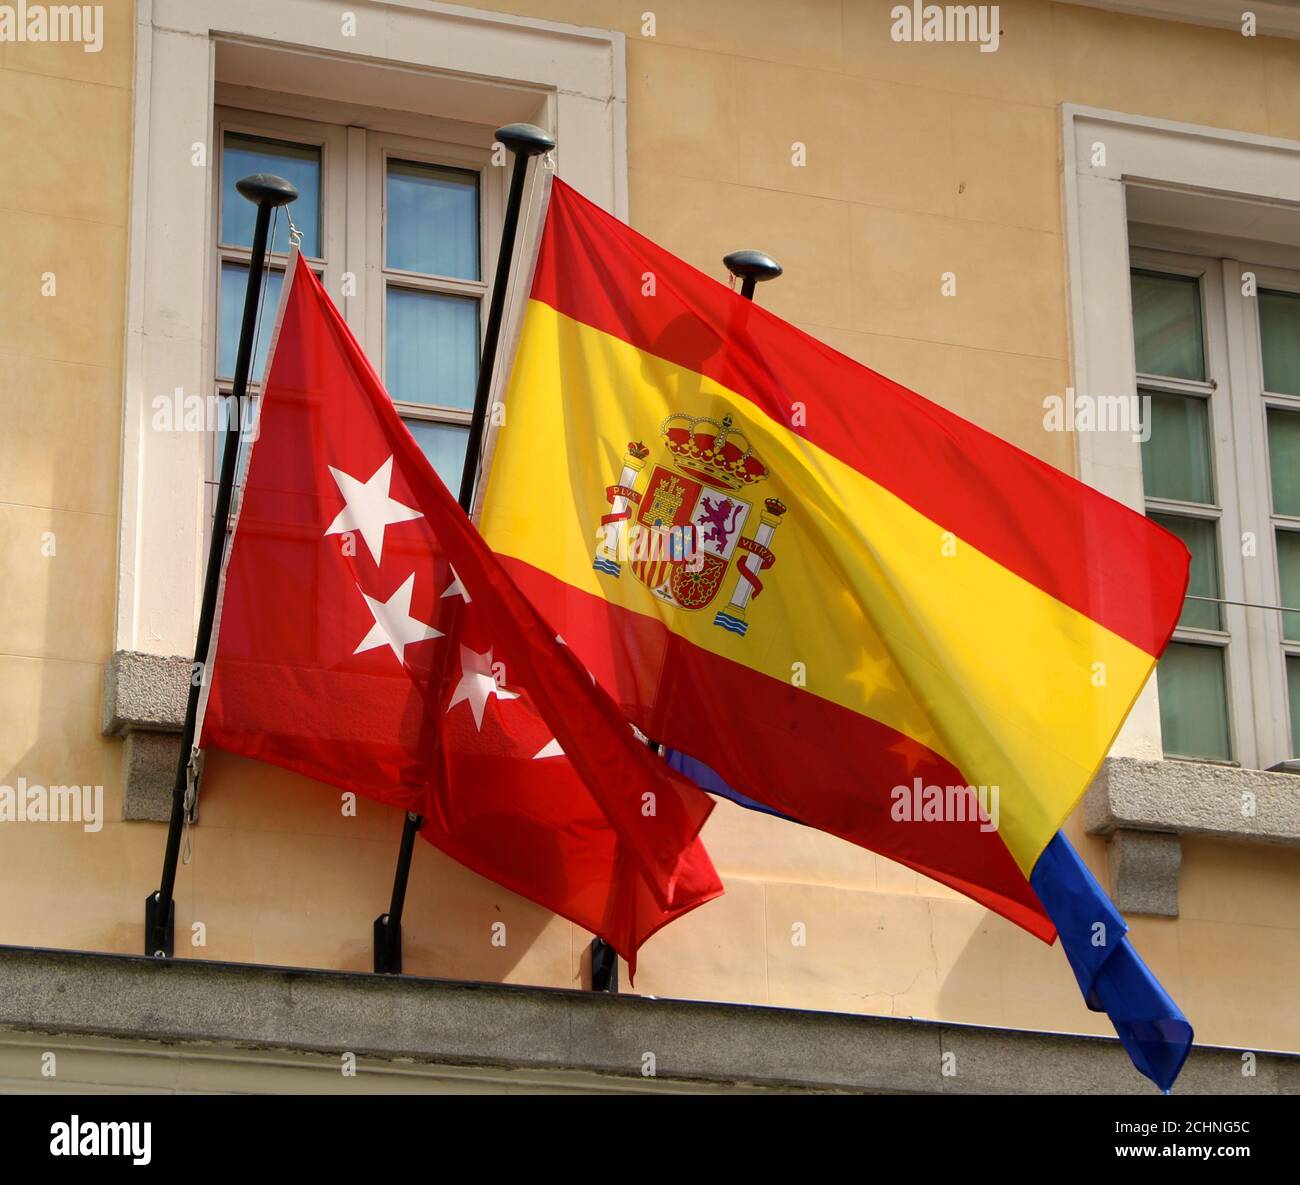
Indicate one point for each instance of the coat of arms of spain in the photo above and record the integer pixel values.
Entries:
(683, 534)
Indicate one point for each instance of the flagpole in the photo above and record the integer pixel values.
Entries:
(524, 140)
(750, 268)
(267, 192)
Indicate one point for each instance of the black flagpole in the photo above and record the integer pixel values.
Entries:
(266, 192)
(750, 267)
(524, 140)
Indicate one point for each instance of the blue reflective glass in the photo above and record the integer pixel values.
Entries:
(432, 220)
(431, 347)
(299, 163)
(444, 445)
(234, 284)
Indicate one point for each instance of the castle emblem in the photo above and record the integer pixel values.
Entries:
(683, 534)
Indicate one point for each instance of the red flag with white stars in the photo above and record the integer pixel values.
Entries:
(368, 638)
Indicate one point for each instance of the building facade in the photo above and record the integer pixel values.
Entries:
(1053, 217)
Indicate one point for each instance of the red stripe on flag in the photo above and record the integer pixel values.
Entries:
(784, 746)
(1087, 550)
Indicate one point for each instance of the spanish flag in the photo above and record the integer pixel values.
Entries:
(855, 607)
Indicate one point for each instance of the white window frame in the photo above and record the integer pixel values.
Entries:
(353, 243)
(1264, 583)
(1217, 392)
(380, 148)
(418, 59)
(1106, 154)
(332, 142)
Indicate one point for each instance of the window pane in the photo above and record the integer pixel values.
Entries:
(431, 348)
(1293, 694)
(1201, 537)
(234, 284)
(1193, 702)
(1279, 333)
(1288, 570)
(1176, 455)
(1284, 460)
(432, 220)
(1167, 325)
(299, 163)
(444, 445)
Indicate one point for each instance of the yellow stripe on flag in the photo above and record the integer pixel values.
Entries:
(883, 611)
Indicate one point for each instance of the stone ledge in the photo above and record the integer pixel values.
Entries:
(540, 1029)
(144, 703)
(148, 774)
(1144, 868)
(144, 691)
(1194, 798)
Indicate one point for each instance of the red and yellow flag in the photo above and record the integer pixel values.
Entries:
(838, 595)
(368, 639)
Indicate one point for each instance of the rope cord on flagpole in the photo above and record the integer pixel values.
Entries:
(1244, 604)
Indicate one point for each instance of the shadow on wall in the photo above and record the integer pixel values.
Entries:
(286, 870)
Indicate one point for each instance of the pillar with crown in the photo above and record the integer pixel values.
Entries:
(622, 496)
(758, 557)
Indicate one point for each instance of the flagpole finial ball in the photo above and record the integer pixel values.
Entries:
(525, 139)
(752, 264)
(266, 189)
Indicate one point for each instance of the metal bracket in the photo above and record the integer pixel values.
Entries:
(168, 948)
(604, 967)
(384, 965)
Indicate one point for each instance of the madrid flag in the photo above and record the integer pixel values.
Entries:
(368, 638)
(853, 606)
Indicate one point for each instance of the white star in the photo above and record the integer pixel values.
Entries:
(455, 588)
(394, 626)
(369, 509)
(550, 749)
(477, 683)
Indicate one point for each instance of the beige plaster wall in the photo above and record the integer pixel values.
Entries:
(65, 138)
(921, 159)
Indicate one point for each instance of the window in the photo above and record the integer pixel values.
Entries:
(432, 291)
(1278, 390)
(1218, 367)
(298, 163)
(394, 226)
(305, 155)
(444, 75)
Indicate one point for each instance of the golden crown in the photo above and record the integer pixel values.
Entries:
(711, 451)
